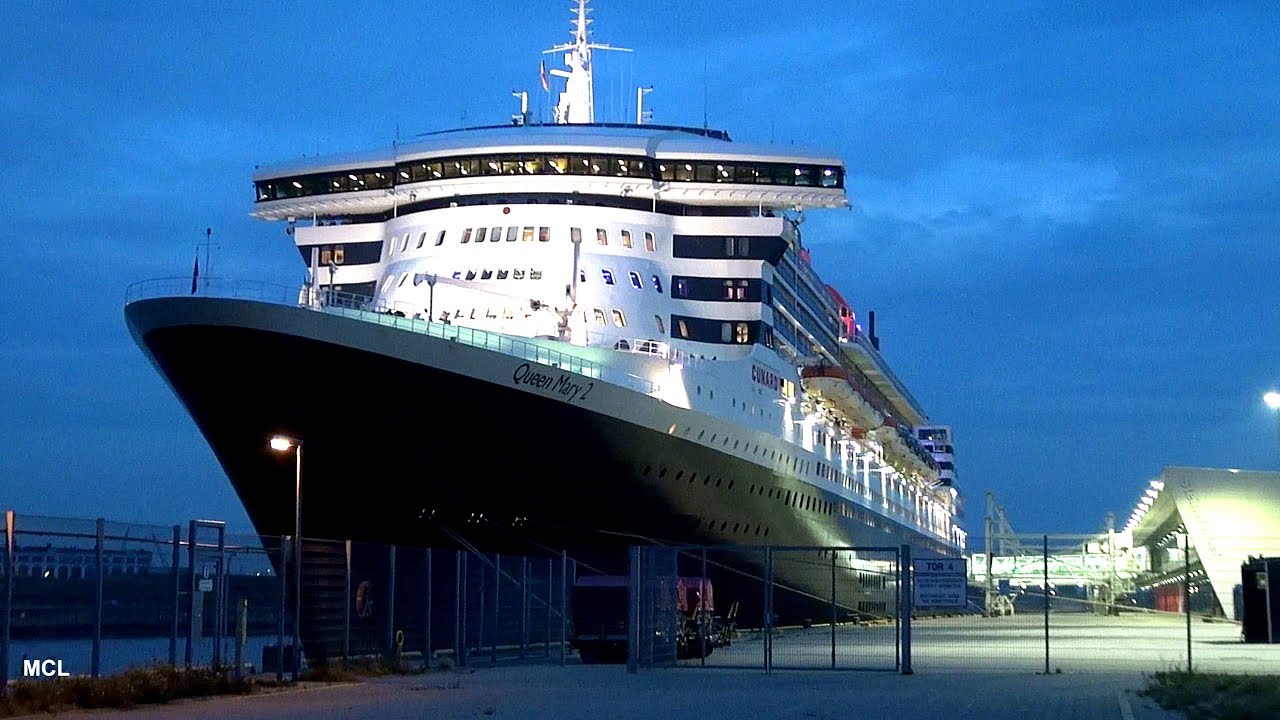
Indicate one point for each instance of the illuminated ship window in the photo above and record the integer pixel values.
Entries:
(575, 235)
(526, 235)
(626, 238)
(544, 234)
(480, 234)
(742, 333)
(682, 289)
(602, 236)
(619, 319)
(517, 274)
(466, 235)
(599, 316)
(440, 238)
(658, 320)
(326, 256)
(495, 234)
(635, 280)
(726, 332)
(513, 231)
(650, 243)
(535, 274)
(608, 276)
(683, 328)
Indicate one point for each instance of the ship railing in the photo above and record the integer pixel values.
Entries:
(363, 308)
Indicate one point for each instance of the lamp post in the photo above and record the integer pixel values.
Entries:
(282, 443)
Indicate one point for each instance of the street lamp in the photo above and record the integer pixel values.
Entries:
(282, 443)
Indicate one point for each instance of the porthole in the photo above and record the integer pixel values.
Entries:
(706, 480)
(662, 473)
(692, 477)
(724, 525)
(718, 481)
(680, 475)
(731, 484)
(646, 470)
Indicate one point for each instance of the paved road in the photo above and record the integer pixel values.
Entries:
(595, 692)
(966, 668)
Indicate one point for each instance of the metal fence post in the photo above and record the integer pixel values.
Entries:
(524, 607)
(1186, 592)
(391, 602)
(633, 610)
(426, 642)
(484, 580)
(497, 587)
(564, 604)
(546, 644)
(177, 594)
(346, 601)
(457, 606)
(191, 597)
(906, 595)
(6, 600)
(284, 573)
(1046, 604)
(242, 634)
(767, 620)
(220, 599)
(100, 564)
(833, 608)
(462, 607)
(702, 608)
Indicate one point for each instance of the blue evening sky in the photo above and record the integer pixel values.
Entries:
(1065, 214)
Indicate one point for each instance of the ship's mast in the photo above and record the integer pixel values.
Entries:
(577, 102)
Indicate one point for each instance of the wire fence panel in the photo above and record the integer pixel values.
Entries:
(768, 607)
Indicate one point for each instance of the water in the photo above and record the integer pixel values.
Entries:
(120, 654)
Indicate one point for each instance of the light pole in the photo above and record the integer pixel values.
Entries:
(281, 443)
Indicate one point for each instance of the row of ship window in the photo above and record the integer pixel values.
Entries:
(510, 233)
(765, 248)
(620, 166)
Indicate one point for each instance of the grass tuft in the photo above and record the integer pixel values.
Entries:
(124, 690)
(1214, 696)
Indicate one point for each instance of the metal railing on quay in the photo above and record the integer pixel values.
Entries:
(94, 597)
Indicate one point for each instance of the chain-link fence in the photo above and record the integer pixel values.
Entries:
(92, 597)
(1034, 603)
(767, 607)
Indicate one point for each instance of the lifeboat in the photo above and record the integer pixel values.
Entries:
(837, 386)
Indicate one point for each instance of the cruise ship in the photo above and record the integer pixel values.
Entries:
(568, 333)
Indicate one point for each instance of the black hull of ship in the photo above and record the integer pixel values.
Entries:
(403, 451)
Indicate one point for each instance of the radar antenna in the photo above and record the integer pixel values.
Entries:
(577, 102)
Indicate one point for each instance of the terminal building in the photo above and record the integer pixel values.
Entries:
(1220, 518)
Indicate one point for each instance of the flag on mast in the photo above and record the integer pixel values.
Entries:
(542, 71)
(195, 275)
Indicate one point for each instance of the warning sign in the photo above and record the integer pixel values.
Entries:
(940, 582)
